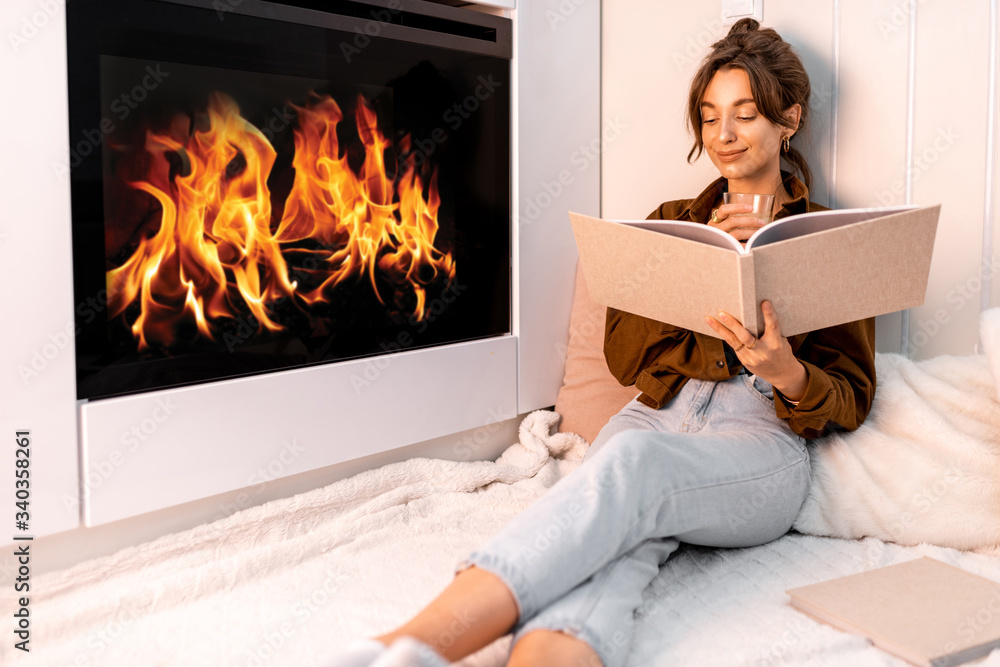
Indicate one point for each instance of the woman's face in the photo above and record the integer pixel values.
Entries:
(743, 145)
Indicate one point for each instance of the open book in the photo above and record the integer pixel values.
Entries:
(923, 611)
(818, 269)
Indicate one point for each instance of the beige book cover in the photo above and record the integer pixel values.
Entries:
(819, 269)
(923, 611)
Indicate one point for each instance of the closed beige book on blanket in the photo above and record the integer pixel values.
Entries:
(923, 611)
(819, 269)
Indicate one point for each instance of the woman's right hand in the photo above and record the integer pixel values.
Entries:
(733, 219)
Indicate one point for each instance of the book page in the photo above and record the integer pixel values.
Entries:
(693, 231)
(817, 221)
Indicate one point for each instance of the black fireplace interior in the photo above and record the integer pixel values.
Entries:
(260, 186)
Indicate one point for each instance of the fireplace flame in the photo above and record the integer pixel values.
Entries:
(215, 255)
(373, 234)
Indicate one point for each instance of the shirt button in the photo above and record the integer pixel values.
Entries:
(720, 364)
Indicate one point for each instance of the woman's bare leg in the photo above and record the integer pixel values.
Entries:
(472, 611)
(550, 648)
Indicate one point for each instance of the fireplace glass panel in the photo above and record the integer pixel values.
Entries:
(255, 190)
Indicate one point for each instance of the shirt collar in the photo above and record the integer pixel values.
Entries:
(700, 208)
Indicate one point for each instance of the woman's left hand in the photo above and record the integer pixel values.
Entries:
(769, 357)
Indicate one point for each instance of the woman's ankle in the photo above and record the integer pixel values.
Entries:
(473, 611)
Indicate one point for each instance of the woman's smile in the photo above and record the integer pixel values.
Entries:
(730, 156)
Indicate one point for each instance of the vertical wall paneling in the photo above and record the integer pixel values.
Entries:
(990, 242)
(559, 146)
(811, 33)
(949, 161)
(834, 104)
(871, 118)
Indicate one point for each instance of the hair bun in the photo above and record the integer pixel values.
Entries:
(744, 26)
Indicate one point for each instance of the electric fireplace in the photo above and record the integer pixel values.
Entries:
(259, 186)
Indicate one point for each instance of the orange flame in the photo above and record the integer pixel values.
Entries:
(330, 204)
(215, 255)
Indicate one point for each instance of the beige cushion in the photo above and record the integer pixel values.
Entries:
(590, 395)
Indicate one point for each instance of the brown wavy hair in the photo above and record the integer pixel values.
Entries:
(777, 80)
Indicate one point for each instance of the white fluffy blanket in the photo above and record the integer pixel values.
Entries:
(925, 465)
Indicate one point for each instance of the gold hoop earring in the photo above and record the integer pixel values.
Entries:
(784, 140)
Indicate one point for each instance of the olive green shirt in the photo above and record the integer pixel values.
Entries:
(659, 358)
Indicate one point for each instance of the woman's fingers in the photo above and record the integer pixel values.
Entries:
(769, 356)
(727, 210)
(731, 330)
(724, 333)
(733, 219)
(742, 337)
(771, 325)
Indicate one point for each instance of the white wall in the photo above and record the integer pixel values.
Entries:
(38, 369)
(650, 49)
(901, 113)
(558, 139)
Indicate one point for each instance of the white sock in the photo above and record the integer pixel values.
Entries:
(410, 652)
(359, 653)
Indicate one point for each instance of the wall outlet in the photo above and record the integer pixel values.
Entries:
(734, 10)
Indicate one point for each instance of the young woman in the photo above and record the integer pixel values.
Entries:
(713, 449)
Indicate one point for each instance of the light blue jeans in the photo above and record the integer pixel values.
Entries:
(714, 467)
